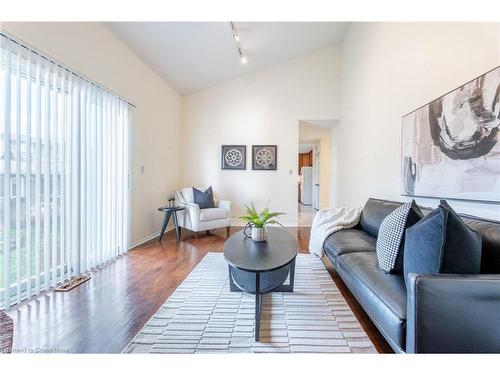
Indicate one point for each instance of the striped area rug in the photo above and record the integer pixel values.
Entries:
(203, 316)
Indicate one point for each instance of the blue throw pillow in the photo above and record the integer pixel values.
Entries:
(204, 199)
(442, 243)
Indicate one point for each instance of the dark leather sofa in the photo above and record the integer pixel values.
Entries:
(445, 313)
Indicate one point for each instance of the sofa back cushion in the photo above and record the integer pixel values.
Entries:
(374, 213)
(374, 209)
(442, 243)
(490, 233)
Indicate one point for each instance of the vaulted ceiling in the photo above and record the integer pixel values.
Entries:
(191, 56)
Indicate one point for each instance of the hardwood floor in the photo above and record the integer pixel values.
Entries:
(105, 313)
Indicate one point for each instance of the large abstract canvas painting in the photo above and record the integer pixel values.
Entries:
(451, 146)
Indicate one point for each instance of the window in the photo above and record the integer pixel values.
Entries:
(64, 173)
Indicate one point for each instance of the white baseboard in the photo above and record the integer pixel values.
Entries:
(149, 238)
(235, 222)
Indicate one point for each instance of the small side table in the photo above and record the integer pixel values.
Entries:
(170, 211)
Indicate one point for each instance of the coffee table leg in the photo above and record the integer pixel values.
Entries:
(165, 223)
(292, 275)
(232, 286)
(257, 305)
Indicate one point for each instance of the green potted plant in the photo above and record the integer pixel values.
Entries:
(257, 221)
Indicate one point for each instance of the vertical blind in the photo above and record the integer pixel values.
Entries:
(64, 173)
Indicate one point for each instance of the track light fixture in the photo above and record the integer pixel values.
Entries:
(236, 37)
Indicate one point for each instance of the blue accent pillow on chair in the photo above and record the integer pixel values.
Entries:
(442, 243)
(204, 199)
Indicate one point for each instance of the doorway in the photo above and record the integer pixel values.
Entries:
(305, 185)
(313, 169)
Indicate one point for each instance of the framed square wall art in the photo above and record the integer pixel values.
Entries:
(450, 146)
(234, 157)
(264, 157)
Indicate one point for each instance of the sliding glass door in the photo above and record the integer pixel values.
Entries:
(64, 173)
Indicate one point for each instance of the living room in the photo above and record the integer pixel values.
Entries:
(175, 220)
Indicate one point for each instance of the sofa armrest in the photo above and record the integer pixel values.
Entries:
(226, 205)
(450, 313)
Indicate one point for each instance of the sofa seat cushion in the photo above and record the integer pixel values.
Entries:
(348, 241)
(382, 295)
(208, 214)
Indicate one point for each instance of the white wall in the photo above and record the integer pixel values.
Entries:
(91, 49)
(389, 70)
(260, 108)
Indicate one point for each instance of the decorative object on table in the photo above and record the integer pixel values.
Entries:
(264, 157)
(451, 147)
(257, 221)
(234, 157)
(204, 199)
(171, 200)
(171, 211)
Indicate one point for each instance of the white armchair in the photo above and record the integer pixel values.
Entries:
(198, 220)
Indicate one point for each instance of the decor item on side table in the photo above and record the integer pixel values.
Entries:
(257, 221)
(451, 147)
(171, 199)
(234, 157)
(264, 157)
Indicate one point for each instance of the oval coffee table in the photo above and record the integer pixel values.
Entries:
(261, 267)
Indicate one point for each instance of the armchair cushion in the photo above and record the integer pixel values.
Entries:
(208, 214)
(204, 199)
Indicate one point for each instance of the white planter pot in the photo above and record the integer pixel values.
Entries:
(259, 234)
